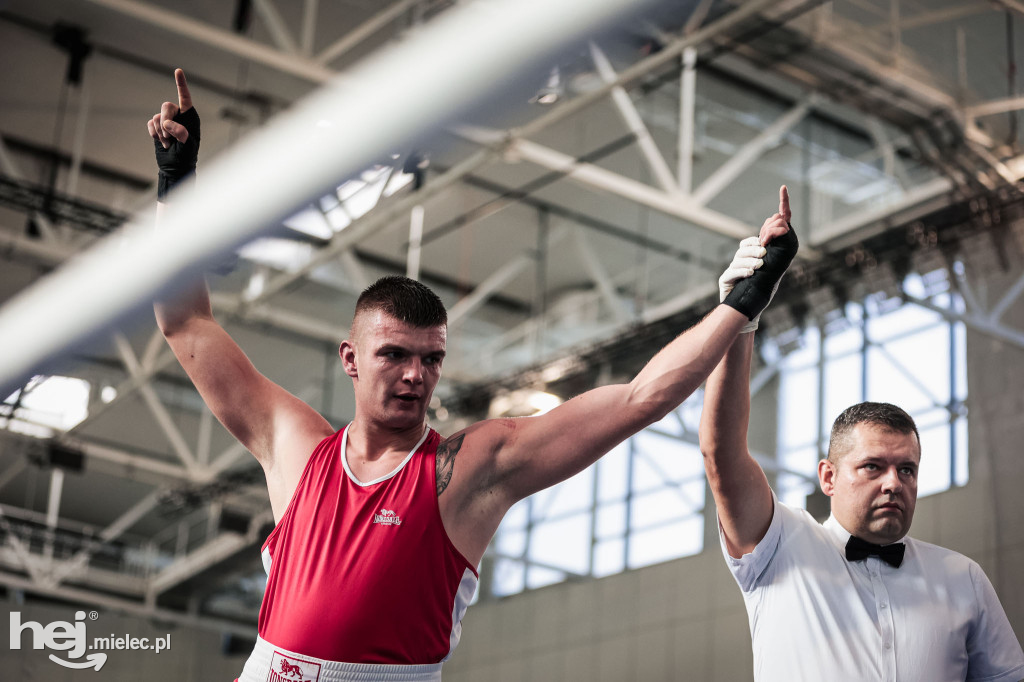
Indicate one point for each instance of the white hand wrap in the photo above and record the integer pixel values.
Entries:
(747, 259)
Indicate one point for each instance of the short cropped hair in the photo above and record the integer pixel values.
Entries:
(884, 415)
(404, 299)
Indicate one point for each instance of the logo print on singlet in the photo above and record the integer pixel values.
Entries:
(387, 518)
(283, 669)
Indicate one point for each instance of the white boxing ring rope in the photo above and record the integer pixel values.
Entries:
(381, 105)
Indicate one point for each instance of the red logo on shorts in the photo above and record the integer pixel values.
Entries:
(284, 669)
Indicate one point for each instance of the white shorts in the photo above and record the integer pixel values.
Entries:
(269, 663)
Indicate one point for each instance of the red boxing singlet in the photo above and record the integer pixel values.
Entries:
(365, 572)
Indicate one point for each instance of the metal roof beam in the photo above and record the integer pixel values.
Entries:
(208, 555)
(749, 153)
(156, 407)
(363, 31)
(276, 27)
(128, 606)
(498, 279)
(232, 43)
(598, 178)
(635, 122)
(975, 321)
(113, 531)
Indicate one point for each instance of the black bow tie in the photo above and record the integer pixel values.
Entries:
(857, 549)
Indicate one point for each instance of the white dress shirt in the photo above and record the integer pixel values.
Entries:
(816, 616)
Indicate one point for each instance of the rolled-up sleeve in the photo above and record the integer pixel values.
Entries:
(994, 654)
(748, 569)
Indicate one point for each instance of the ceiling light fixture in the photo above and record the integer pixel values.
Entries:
(552, 90)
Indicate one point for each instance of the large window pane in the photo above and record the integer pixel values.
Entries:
(922, 360)
(890, 382)
(842, 389)
(933, 476)
(538, 576)
(572, 495)
(661, 458)
(659, 507)
(960, 449)
(793, 490)
(609, 557)
(807, 354)
(845, 342)
(960, 360)
(517, 516)
(669, 541)
(511, 542)
(563, 544)
(509, 577)
(613, 474)
(798, 395)
(611, 520)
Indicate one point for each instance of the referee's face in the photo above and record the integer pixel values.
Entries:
(874, 484)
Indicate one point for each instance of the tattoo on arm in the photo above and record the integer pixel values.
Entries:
(444, 461)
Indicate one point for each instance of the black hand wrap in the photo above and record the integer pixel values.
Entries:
(751, 295)
(178, 162)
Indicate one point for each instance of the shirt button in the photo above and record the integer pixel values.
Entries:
(888, 645)
(883, 605)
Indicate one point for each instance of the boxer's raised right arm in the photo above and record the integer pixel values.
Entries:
(280, 430)
(276, 427)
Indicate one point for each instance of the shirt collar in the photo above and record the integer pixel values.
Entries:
(836, 531)
(841, 536)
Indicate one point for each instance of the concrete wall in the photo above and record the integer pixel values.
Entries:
(994, 499)
(681, 620)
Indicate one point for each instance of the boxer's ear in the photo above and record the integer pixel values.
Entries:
(347, 353)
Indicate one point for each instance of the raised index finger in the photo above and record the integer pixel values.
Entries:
(184, 96)
(784, 204)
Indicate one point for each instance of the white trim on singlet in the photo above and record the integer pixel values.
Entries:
(464, 595)
(344, 459)
(265, 556)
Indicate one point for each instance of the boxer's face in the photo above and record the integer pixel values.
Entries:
(394, 368)
(873, 485)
